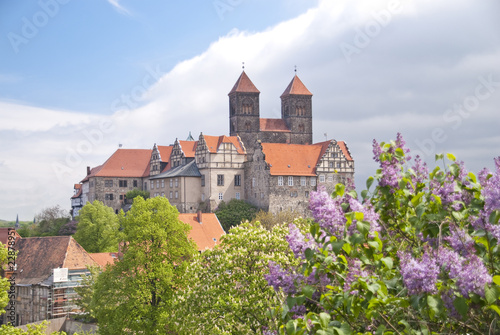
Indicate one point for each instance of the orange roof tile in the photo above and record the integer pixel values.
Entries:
(214, 142)
(93, 172)
(244, 84)
(296, 87)
(292, 159)
(344, 149)
(78, 194)
(273, 125)
(104, 258)
(188, 147)
(165, 152)
(127, 163)
(77, 186)
(205, 234)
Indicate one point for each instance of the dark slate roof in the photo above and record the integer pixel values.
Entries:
(188, 170)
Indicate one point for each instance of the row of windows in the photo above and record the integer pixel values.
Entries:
(303, 181)
(172, 182)
(220, 180)
(121, 183)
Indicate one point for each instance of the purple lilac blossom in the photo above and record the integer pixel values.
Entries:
(421, 171)
(419, 276)
(460, 241)
(279, 278)
(327, 212)
(491, 193)
(354, 272)
(369, 215)
(391, 170)
(298, 242)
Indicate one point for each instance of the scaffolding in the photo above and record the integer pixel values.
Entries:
(62, 297)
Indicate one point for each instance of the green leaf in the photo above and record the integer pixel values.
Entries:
(461, 306)
(494, 217)
(309, 254)
(324, 319)
(337, 246)
(339, 190)
(291, 327)
(369, 182)
(308, 291)
(388, 262)
(364, 194)
(495, 308)
(451, 157)
(490, 294)
(439, 156)
(496, 280)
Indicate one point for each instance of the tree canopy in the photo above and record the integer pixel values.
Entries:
(135, 293)
(98, 228)
(234, 212)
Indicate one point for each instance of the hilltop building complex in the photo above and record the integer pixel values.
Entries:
(271, 163)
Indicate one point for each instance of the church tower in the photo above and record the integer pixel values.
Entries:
(244, 115)
(296, 111)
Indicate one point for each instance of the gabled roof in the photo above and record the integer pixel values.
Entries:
(165, 152)
(244, 84)
(188, 170)
(205, 234)
(296, 87)
(38, 256)
(127, 163)
(188, 147)
(344, 149)
(293, 159)
(214, 142)
(277, 125)
(78, 194)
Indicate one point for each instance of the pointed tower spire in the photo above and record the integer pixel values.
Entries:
(17, 222)
(296, 87)
(190, 137)
(244, 85)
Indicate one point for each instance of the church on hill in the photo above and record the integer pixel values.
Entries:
(271, 163)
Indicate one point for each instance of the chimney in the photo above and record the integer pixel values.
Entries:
(88, 170)
(198, 216)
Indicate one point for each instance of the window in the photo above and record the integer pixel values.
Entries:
(177, 194)
(253, 182)
(338, 165)
(157, 184)
(121, 196)
(202, 180)
(220, 196)
(176, 182)
(262, 195)
(91, 183)
(237, 180)
(152, 185)
(135, 183)
(302, 181)
(203, 197)
(290, 181)
(322, 178)
(122, 183)
(108, 183)
(330, 178)
(108, 196)
(238, 195)
(313, 181)
(307, 194)
(280, 181)
(145, 185)
(171, 195)
(162, 194)
(330, 164)
(171, 183)
(220, 180)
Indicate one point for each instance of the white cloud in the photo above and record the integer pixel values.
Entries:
(410, 73)
(119, 7)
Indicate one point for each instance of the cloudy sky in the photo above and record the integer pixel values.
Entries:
(78, 78)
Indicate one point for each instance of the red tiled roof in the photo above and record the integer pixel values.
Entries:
(204, 233)
(77, 186)
(38, 256)
(165, 152)
(78, 194)
(244, 84)
(344, 149)
(104, 258)
(296, 87)
(188, 147)
(127, 163)
(292, 159)
(4, 235)
(214, 142)
(273, 125)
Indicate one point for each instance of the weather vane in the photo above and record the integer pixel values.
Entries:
(295, 69)
(243, 65)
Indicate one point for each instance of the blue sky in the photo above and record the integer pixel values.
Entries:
(77, 78)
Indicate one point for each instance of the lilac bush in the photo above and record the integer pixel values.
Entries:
(418, 254)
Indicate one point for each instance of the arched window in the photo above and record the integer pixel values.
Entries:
(301, 127)
(248, 126)
(300, 109)
(247, 106)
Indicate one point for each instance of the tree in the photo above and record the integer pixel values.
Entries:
(134, 295)
(234, 212)
(98, 228)
(226, 291)
(136, 193)
(418, 255)
(48, 222)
